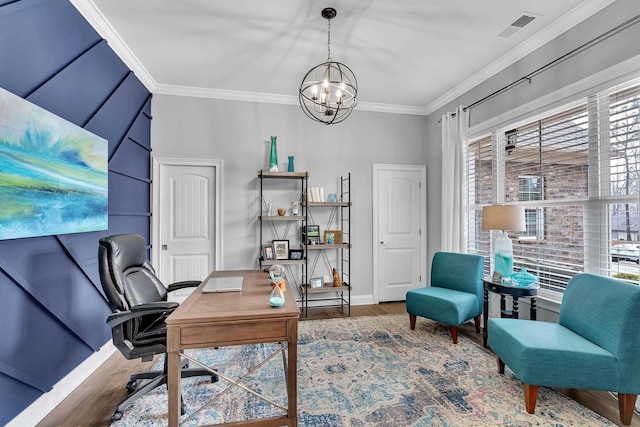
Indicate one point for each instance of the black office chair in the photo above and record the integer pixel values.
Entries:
(139, 304)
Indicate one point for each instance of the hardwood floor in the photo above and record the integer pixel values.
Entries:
(93, 402)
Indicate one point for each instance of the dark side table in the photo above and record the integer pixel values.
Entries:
(505, 289)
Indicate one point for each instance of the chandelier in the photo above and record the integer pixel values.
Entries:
(328, 91)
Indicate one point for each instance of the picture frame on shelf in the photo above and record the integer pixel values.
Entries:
(333, 237)
(296, 254)
(313, 240)
(316, 282)
(313, 231)
(267, 252)
(281, 249)
(311, 234)
(310, 231)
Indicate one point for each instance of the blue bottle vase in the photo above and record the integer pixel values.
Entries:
(273, 158)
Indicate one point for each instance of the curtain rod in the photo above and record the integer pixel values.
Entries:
(584, 46)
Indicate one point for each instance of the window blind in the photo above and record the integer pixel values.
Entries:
(576, 170)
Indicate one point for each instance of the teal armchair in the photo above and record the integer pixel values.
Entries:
(455, 294)
(595, 345)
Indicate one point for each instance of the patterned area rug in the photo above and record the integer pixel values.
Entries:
(368, 371)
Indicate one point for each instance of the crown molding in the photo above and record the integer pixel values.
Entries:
(228, 95)
(97, 20)
(92, 14)
(268, 98)
(391, 108)
(567, 21)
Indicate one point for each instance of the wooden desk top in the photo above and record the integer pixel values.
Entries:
(206, 320)
(251, 303)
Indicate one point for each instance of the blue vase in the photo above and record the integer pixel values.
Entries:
(503, 255)
(290, 168)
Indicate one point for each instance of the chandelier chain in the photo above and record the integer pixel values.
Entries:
(329, 41)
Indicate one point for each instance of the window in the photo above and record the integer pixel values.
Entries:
(576, 170)
(530, 188)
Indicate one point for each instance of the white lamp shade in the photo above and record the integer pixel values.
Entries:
(503, 217)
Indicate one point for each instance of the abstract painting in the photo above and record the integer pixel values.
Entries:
(53, 174)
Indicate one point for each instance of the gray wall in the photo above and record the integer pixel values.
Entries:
(239, 134)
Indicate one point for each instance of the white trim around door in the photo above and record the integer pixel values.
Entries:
(377, 169)
(157, 165)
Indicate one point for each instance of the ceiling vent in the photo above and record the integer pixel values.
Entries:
(518, 24)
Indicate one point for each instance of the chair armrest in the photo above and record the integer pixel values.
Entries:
(182, 285)
(140, 311)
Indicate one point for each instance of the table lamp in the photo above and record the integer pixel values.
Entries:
(502, 218)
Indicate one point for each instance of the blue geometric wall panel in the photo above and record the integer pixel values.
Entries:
(129, 159)
(13, 393)
(51, 293)
(114, 120)
(141, 129)
(39, 38)
(119, 224)
(34, 323)
(78, 99)
(134, 201)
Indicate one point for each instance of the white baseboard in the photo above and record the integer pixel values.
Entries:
(355, 300)
(41, 407)
(362, 300)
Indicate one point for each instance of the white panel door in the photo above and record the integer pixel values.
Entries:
(400, 240)
(187, 222)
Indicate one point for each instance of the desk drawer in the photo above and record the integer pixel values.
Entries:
(210, 335)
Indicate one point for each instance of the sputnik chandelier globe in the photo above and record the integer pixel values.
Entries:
(328, 91)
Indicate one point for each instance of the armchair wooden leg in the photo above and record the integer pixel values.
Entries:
(476, 320)
(626, 405)
(454, 333)
(500, 365)
(531, 397)
(412, 321)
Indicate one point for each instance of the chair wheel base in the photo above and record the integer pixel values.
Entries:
(117, 416)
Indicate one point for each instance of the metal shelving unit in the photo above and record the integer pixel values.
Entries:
(340, 214)
(281, 225)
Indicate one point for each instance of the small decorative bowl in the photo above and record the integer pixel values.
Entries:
(523, 278)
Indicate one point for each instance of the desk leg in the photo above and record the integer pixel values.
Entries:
(292, 375)
(514, 312)
(534, 309)
(173, 383)
(485, 317)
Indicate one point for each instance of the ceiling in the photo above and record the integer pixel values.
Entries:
(409, 56)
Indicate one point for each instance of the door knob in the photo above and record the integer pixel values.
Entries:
(383, 242)
(164, 247)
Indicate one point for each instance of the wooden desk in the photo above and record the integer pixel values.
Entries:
(234, 318)
(504, 289)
